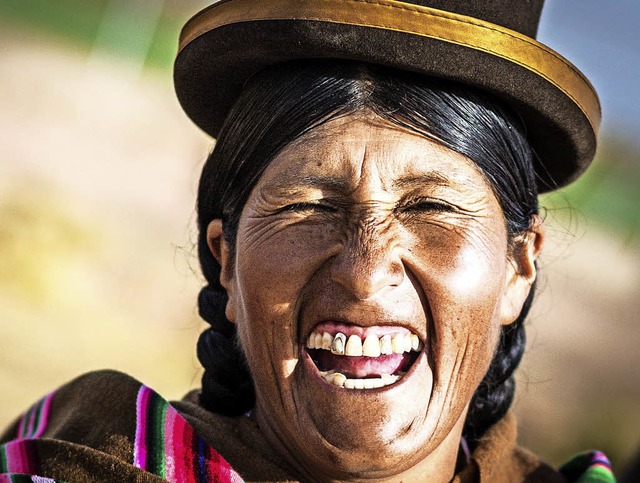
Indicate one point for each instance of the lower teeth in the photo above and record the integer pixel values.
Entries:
(340, 380)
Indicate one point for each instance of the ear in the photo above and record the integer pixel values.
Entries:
(221, 252)
(521, 271)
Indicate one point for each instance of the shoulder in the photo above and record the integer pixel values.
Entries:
(78, 409)
(106, 426)
(498, 458)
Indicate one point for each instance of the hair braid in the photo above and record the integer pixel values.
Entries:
(227, 387)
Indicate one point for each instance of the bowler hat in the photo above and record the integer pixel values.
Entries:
(489, 44)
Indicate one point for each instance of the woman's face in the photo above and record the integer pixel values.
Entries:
(364, 229)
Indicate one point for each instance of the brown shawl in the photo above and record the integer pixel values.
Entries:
(90, 433)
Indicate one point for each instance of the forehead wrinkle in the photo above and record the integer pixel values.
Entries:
(412, 182)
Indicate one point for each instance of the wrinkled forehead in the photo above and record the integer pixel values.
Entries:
(347, 152)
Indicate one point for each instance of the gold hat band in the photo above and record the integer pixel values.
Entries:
(412, 19)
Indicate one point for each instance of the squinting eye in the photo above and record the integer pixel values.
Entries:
(426, 205)
(306, 206)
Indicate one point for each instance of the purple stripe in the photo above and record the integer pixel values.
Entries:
(44, 409)
(20, 457)
(140, 446)
(34, 422)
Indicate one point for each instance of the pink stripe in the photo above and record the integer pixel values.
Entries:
(169, 452)
(178, 447)
(44, 410)
(140, 446)
(17, 461)
(20, 432)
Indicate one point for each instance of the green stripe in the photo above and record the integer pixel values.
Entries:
(155, 436)
(3, 460)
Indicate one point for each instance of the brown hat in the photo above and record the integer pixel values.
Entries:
(485, 43)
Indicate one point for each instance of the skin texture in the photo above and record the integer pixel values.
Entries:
(361, 222)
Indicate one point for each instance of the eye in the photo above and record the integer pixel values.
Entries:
(307, 207)
(426, 205)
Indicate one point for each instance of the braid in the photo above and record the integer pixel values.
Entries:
(494, 396)
(227, 387)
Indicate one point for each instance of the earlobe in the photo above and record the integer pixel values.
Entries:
(522, 271)
(220, 251)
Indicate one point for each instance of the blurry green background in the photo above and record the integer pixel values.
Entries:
(98, 168)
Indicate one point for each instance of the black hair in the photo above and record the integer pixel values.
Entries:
(282, 103)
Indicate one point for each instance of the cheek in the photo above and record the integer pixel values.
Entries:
(271, 273)
(275, 267)
(463, 281)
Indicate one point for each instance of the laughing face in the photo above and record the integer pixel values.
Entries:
(369, 281)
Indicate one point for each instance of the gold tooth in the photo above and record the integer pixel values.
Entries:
(385, 345)
(354, 346)
(371, 346)
(337, 346)
(326, 341)
(398, 344)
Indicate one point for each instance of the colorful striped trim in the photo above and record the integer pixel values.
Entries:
(15, 478)
(167, 446)
(34, 422)
(20, 457)
(589, 467)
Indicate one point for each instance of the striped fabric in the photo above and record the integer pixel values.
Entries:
(33, 423)
(588, 467)
(21, 454)
(167, 446)
(15, 478)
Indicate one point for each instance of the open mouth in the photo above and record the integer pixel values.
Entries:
(356, 358)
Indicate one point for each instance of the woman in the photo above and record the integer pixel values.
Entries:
(368, 228)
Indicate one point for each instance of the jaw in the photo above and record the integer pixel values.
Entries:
(338, 429)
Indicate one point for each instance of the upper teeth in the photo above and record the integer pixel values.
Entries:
(371, 347)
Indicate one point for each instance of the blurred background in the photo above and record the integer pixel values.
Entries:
(98, 173)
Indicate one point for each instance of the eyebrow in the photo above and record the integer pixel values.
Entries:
(419, 181)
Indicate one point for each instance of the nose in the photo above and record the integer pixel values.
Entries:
(369, 262)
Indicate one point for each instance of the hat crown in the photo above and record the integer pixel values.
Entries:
(520, 15)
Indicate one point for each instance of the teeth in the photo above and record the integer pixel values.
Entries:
(311, 341)
(340, 380)
(326, 341)
(385, 345)
(398, 344)
(416, 345)
(337, 346)
(318, 341)
(407, 343)
(371, 346)
(354, 347)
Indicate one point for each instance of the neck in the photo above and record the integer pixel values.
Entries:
(439, 466)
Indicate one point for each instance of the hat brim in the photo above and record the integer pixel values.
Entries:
(226, 44)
